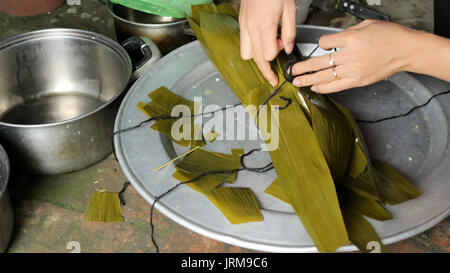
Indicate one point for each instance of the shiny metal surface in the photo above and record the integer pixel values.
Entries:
(168, 33)
(6, 210)
(418, 146)
(59, 93)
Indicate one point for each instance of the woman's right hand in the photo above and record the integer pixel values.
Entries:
(259, 20)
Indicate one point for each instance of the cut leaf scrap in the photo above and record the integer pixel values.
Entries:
(203, 185)
(202, 161)
(162, 103)
(239, 205)
(276, 190)
(104, 207)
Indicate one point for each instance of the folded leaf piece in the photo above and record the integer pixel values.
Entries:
(104, 207)
(276, 190)
(162, 103)
(203, 185)
(202, 161)
(239, 205)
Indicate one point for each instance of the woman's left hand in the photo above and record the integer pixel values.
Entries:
(369, 52)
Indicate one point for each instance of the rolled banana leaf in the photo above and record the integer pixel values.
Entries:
(299, 160)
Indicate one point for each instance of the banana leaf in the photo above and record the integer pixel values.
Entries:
(239, 205)
(364, 185)
(333, 132)
(393, 187)
(301, 167)
(361, 177)
(202, 185)
(202, 161)
(360, 232)
(163, 100)
(366, 206)
(104, 207)
(276, 190)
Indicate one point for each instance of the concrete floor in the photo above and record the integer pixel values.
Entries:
(49, 210)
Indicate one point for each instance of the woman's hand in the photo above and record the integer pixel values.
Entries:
(259, 21)
(369, 52)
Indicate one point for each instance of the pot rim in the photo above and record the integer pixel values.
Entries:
(74, 33)
(5, 161)
(109, 6)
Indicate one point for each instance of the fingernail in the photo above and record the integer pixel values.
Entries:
(296, 82)
(273, 83)
(314, 88)
(289, 48)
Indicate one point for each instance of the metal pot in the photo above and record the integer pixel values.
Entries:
(6, 210)
(59, 93)
(168, 33)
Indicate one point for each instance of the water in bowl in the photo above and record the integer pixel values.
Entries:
(52, 108)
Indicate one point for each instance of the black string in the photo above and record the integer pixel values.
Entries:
(124, 188)
(289, 78)
(406, 113)
(162, 117)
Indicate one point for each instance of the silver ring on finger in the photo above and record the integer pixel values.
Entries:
(335, 75)
(331, 61)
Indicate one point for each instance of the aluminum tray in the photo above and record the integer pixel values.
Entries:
(417, 145)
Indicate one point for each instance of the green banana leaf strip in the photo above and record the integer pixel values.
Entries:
(363, 185)
(360, 232)
(203, 185)
(366, 206)
(202, 161)
(276, 190)
(333, 132)
(163, 100)
(302, 169)
(239, 205)
(360, 164)
(394, 188)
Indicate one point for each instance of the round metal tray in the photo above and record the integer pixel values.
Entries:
(417, 145)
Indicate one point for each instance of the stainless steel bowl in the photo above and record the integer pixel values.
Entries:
(6, 210)
(59, 93)
(168, 33)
